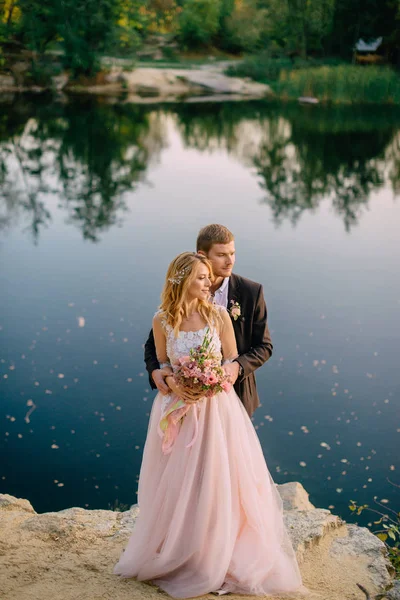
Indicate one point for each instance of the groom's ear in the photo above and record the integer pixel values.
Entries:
(202, 253)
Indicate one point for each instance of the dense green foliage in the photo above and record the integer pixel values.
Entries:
(198, 22)
(81, 30)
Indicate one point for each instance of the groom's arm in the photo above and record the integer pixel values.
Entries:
(150, 357)
(261, 343)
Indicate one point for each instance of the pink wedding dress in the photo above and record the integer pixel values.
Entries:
(210, 515)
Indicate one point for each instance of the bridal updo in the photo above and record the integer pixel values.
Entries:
(180, 274)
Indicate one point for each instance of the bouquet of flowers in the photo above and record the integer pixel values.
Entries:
(202, 373)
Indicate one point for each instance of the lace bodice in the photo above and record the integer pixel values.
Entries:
(181, 345)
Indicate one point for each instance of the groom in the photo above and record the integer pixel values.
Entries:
(244, 300)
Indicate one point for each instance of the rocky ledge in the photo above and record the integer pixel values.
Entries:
(70, 554)
(153, 85)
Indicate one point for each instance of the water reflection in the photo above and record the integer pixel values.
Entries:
(88, 153)
(75, 314)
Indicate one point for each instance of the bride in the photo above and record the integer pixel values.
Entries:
(210, 515)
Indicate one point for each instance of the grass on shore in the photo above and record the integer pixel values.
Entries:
(332, 82)
(343, 84)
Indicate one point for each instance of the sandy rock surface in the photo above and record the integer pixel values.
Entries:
(70, 554)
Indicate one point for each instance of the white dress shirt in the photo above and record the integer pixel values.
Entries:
(221, 294)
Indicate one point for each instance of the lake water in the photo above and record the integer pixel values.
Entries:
(97, 198)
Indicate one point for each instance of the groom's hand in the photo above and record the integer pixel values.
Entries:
(232, 370)
(158, 376)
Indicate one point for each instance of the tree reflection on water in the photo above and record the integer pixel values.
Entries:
(88, 153)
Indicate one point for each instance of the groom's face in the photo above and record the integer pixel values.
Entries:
(222, 258)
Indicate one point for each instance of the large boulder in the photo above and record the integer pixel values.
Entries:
(70, 554)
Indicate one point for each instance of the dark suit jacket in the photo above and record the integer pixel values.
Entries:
(252, 337)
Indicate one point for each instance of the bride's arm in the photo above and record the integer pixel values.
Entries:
(161, 343)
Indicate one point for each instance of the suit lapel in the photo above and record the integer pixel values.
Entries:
(232, 290)
(234, 295)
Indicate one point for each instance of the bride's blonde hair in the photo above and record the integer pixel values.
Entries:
(174, 305)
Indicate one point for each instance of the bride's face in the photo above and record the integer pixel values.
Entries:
(200, 286)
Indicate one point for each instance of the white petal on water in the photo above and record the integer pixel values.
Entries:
(30, 411)
(81, 321)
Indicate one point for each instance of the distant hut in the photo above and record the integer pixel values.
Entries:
(366, 53)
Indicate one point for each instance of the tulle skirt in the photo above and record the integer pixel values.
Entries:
(210, 514)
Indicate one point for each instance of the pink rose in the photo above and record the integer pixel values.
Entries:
(212, 379)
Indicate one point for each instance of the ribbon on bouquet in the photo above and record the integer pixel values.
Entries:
(170, 423)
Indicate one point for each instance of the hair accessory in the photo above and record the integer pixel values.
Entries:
(180, 276)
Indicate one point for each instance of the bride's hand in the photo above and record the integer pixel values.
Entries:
(185, 394)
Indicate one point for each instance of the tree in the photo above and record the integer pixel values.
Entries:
(86, 27)
(244, 26)
(298, 26)
(199, 22)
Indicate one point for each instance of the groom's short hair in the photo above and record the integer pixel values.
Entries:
(213, 234)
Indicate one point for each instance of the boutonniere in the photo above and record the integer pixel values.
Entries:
(235, 310)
